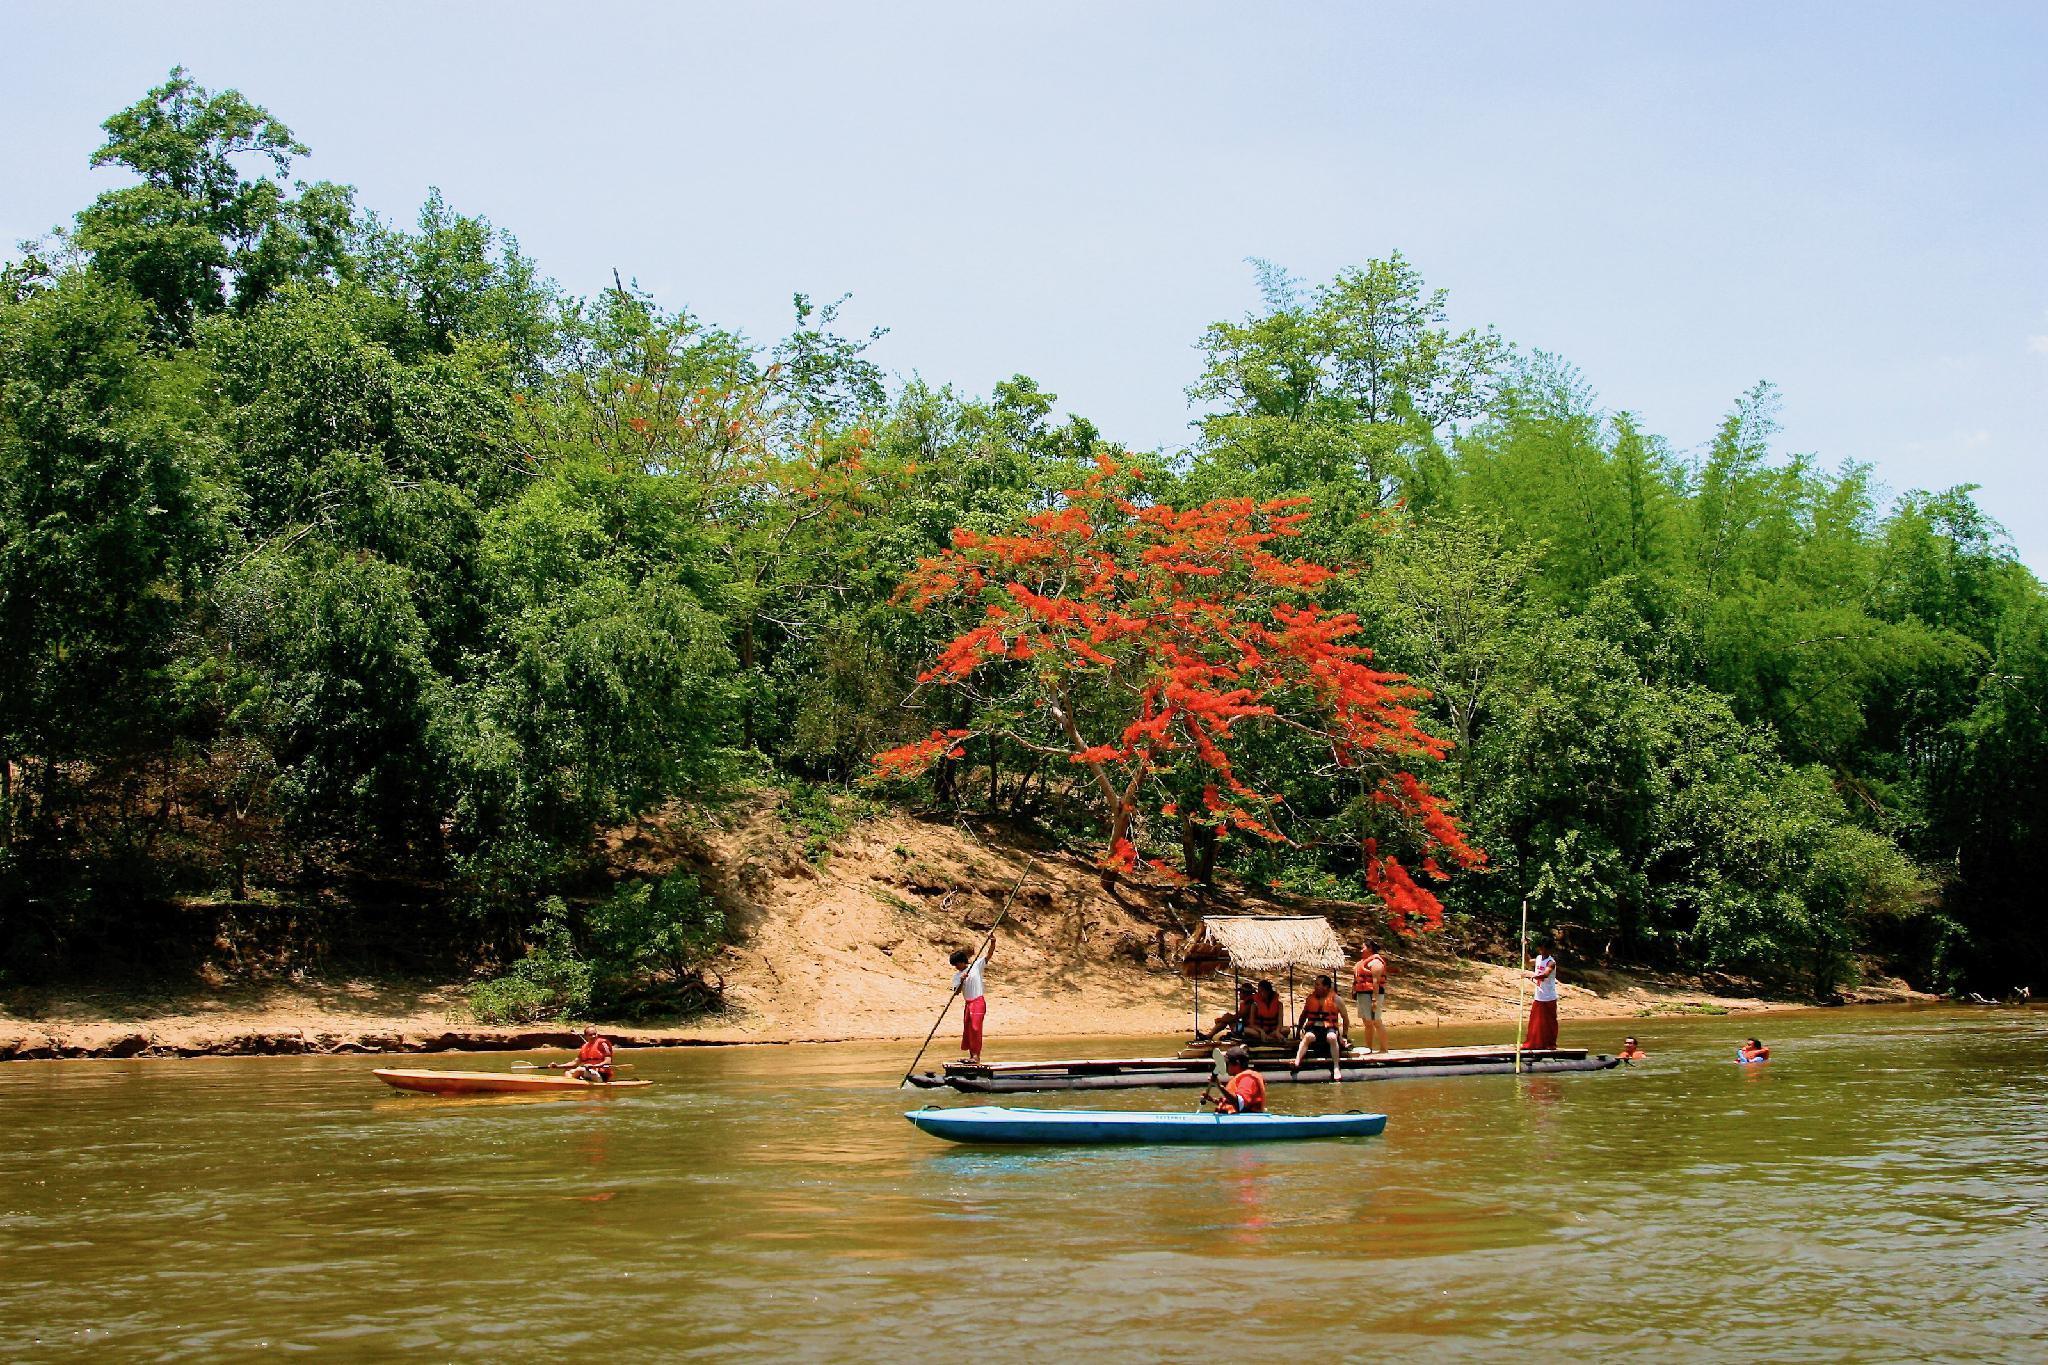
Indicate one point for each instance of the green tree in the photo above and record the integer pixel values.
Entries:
(105, 531)
(1342, 382)
(196, 235)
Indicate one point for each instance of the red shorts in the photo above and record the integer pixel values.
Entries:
(970, 1026)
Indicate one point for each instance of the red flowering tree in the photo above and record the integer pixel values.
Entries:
(1155, 649)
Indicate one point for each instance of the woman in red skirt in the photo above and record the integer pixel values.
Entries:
(1542, 1031)
(967, 980)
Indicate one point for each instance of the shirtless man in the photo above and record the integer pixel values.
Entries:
(1230, 1026)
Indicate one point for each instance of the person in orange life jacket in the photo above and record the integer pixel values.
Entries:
(967, 970)
(1269, 1016)
(1753, 1051)
(593, 1060)
(1630, 1052)
(1323, 1020)
(1232, 1023)
(1245, 1091)
(1369, 993)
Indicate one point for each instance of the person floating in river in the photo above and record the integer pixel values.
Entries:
(1269, 1016)
(967, 980)
(1231, 1024)
(1323, 1020)
(593, 1060)
(1752, 1051)
(1630, 1052)
(1245, 1091)
(1541, 1035)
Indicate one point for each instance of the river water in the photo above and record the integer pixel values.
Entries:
(1878, 1191)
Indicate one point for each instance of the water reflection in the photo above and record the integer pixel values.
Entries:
(1883, 1181)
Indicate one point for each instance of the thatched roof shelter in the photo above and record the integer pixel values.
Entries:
(1262, 945)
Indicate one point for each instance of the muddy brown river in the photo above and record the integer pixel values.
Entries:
(1878, 1191)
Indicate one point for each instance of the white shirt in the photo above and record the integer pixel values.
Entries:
(967, 980)
(1546, 989)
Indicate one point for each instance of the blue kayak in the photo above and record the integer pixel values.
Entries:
(996, 1123)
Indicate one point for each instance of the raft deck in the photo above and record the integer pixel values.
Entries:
(1134, 1073)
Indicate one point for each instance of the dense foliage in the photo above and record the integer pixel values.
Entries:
(349, 564)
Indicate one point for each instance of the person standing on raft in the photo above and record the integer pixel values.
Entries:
(593, 1060)
(967, 980)
(1369, 993)
(1541, 1035)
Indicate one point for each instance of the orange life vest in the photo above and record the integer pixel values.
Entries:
(1244, 1093)
(1313, 1014)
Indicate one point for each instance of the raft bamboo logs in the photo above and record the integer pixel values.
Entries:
(1308, 1075)
(1261, 1060)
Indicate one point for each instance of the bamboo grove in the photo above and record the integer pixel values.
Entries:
(360, 567)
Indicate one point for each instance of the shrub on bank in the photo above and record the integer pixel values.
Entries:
(639, 952)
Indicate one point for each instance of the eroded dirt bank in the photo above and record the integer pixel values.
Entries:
(854, 947)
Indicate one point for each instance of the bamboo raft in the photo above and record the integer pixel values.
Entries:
(1136, 1073)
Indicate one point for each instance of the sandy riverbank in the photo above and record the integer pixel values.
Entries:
(368, 1018)
(854, 948)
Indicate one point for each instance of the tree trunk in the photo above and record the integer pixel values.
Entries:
(747, 666)
(1017, 792)
(1198, 850)
(1119, 831)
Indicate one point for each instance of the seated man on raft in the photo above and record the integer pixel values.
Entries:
(1231, 1024)
(1324, 1020)
(1245, 1091)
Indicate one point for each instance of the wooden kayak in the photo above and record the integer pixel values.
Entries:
(1000, 1124)
(495, 1083)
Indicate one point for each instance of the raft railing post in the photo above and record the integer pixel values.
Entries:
(1522, 971)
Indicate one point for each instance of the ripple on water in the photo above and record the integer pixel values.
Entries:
(1879, 1191)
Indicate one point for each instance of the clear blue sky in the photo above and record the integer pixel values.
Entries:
(1848, 200)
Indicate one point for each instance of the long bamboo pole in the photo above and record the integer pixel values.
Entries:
(1522, 969)
(986, 939)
